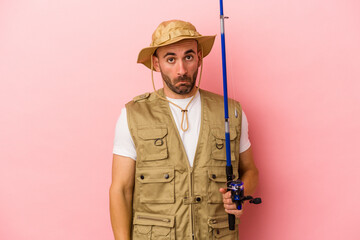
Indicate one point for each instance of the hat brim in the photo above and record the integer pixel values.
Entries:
(206, 43)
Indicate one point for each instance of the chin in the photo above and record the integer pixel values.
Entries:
(185, 91)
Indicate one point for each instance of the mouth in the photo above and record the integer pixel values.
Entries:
(183, 81)
(183, 84)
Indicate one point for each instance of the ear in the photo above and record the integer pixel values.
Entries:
(199, 57)
(156, 63)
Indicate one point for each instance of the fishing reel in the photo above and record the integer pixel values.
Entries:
(237, 194)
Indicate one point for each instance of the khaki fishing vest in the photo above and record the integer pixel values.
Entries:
(172, 200)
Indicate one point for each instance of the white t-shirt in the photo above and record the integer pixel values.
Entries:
(124, 144)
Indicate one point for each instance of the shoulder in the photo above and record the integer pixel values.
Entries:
(141, 97)
(146, 97)
(143, 102)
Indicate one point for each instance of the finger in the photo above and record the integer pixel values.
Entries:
(237, 213)
(230, 207)
(227, 194)
(228, 201)
(234, 212)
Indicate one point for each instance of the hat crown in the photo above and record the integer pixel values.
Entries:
(170, 30)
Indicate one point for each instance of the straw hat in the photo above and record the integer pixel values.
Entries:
(173, 31)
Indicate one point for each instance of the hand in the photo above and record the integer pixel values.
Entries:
(229, 206)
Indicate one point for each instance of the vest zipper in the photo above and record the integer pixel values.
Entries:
(190, 169)
(167, 220)
(191, 205)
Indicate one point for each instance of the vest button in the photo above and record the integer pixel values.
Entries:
(142, 177)
(166, 176)
(198, 199)
(213, 176)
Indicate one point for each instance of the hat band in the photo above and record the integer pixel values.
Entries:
(174, 34)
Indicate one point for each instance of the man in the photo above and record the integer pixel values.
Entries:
(169, 155)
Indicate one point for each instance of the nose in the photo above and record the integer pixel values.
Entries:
(182, 69)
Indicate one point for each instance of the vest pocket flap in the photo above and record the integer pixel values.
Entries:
(219, 226)
(218, 221)
(217, 176)
(152, 133)
(220, 133)
(161, 175)
(149, 219)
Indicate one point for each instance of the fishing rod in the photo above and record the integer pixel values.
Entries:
(236, 187)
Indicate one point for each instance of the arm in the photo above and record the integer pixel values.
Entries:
(121, 193)
(248, 172)
(249, 176)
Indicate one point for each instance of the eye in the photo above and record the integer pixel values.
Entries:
(189, 57)
(170, 60)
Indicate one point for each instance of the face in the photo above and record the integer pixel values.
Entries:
(178, 64)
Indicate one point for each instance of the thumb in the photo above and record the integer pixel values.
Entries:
(222, 190)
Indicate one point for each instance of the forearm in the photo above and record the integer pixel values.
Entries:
(250, 179)
(248, 172)
(121, 213)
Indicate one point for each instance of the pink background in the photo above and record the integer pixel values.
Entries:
(67, 68)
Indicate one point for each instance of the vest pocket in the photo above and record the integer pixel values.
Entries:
(152, 143)
(153, 226)
(218, 149)
(217, 180)
(156, 185)
(219, 228)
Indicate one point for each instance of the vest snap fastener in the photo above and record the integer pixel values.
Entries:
(166, 176)
(158, 142)
(213, 176)
(142, 176)
(213, 221)
(219, 145)
(198, 199)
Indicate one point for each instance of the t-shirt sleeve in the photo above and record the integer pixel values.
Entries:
(244, 138)
(123, 142)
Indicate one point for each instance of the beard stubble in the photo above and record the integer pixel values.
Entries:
(183, 88)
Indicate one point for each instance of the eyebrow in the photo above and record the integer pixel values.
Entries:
(169, 54)
(173, 54)
(189, 51)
